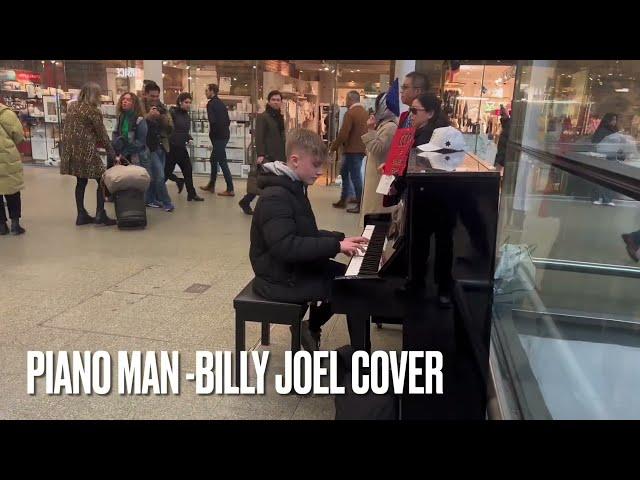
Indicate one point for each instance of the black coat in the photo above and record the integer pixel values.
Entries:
(289, 255)
(423, 134)
(181, 127)
(270, 139)
(218, 119)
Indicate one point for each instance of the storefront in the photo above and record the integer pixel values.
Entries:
(313, 92)
(39, 90)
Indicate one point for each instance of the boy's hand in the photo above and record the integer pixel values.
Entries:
(353, 245)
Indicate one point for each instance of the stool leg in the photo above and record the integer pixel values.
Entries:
(295, 335)
(266, 327)
(240, 345)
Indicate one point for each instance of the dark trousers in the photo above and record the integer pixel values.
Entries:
(443, 253)
(635, 236)
(14, 205)
(219, 156)
(178, 155)
(248, 198)
(81, 186)
(358, 325)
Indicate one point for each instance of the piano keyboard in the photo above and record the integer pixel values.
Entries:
(368, 263)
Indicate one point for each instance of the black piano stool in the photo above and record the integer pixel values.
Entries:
(250, 307)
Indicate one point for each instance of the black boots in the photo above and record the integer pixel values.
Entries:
(84, 218)
(102, 219)
(180, 183)
(195, 198)
(16, 229)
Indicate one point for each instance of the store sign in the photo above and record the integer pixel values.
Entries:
(26, 76)
(126, 72)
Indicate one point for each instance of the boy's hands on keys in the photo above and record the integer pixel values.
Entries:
(353, 246)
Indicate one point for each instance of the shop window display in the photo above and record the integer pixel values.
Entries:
(236, 80)
(477, 99)
(39, 91)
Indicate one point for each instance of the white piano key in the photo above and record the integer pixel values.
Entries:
(354, 266)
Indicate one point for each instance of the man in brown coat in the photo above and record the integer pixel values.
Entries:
(354, 125)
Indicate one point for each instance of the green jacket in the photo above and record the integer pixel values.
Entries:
(11, 135)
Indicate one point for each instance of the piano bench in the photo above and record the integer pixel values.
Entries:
(251, 307)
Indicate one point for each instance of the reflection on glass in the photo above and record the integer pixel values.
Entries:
(567, 106)
(566, 315)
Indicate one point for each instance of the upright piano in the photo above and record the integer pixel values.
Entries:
(387, 283)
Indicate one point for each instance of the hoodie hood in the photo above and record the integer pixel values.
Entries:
(280, 169)
(277, 174)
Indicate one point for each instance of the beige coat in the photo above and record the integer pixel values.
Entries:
(11, 135)
(378, 143)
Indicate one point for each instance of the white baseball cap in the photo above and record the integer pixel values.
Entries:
(445, 138)
(444, 161)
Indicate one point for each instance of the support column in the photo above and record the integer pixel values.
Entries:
(402, 68)
(153, 71)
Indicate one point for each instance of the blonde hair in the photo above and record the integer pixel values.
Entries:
(307, 141)
(90, 94)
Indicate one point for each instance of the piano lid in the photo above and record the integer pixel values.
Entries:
(429, 163)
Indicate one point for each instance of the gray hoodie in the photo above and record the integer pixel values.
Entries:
(279, 168)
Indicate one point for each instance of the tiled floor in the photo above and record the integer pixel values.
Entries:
(93, 288)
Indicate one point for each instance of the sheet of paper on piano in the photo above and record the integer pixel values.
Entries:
(384, 185)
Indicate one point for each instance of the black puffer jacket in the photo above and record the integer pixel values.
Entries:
(289, 255)
(181, 127)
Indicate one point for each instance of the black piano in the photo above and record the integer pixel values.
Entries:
(458, 203)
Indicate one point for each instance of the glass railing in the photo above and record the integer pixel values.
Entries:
(566, 313)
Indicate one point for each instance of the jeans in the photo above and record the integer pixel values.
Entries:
(352, 172)
(157, 191)
(219, 156)
(14, 205)
(350, 190)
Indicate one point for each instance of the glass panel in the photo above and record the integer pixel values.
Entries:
(564, 102)
(566, 315)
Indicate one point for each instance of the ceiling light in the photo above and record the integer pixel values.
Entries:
(190, 78)
(165, 62)
(255, 66)
(622, 90)
(357, 70)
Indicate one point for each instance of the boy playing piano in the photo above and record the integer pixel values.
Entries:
(291, 258)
